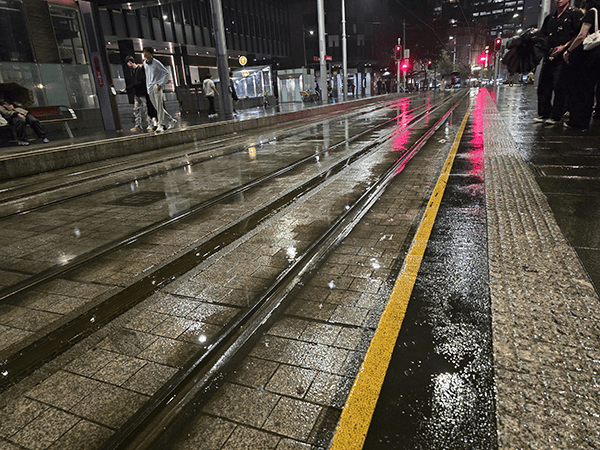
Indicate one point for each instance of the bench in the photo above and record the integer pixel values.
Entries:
(51, 114)
(54, 114)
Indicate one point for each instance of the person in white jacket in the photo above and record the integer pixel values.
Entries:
(209, 91)
(157, 76)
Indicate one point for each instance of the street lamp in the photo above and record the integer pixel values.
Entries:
(304, 30)
(453, 39)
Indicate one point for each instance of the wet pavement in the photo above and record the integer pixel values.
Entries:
(566, 165)
(439, 389)
(499, 346)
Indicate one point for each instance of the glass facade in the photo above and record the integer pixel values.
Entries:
(253, 82)
(251, 26)
(68, 83)
(67, 31)
(53, 84)
(14, 34)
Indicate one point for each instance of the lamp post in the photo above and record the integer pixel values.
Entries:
(222, 63)
(322, 49)
(304, 30)
(453, 39)
(344, 53)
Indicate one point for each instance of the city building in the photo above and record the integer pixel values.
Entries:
(71, 53)
(502, 17)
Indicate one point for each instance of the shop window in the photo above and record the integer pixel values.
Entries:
(67, 31)
(14, 35)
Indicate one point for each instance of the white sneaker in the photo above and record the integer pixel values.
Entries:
(172, 124)
(539, 119)
(551, 121)
(149, 128)
(160, 129)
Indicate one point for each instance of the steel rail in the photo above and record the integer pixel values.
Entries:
(293, 131)
(17, 366)
(148, 428)
(110, 247)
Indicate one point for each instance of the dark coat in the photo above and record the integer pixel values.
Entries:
(137, 86)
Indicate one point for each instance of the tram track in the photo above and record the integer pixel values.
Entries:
(150, 427)
(110, 247)
(191, 158)
(26, 360)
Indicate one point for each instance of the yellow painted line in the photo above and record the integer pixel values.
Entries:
(358, 410)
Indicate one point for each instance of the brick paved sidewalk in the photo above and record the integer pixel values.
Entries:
(545, 310)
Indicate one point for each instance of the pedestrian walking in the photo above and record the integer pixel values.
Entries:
(18, 118)
(234, 96)
(586, 64)
(157, 76)
(209, 92)
(559, 29)
(137, 87)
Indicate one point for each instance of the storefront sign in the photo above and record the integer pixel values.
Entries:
(98, 71)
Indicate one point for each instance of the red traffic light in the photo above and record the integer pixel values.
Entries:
(405, 66)
(429, 63)
(498, 43)
(398, 54)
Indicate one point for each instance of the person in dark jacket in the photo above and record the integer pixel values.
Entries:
(586, 65)
(559, 28)
(137, 87)
(18, 117)
(234, 96)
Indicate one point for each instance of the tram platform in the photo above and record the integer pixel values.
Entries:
(459, 310)
(88, 147)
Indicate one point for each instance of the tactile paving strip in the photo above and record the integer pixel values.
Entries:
(545, 310)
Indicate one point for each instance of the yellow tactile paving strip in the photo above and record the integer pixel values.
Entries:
(358, 410)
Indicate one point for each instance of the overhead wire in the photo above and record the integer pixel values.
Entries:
(424, 23)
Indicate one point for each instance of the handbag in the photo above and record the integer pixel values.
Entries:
(592, 40)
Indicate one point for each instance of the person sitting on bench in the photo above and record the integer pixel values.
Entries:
(18, 118)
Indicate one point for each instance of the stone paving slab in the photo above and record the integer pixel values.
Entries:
(294, 382)
(546, 321)
(90, 222)
(105, 378)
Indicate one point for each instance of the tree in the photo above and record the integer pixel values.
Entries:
(444, 63)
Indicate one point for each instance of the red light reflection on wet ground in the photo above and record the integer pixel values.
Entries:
(476, 154)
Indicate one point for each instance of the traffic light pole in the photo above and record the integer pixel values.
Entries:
(403, 50)
(398, 60)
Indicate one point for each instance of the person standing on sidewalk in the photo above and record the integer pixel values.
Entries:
(234, 96)
(559, 28)
(138, 89)
(586, 65)
(209, 91)
(157, 76)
